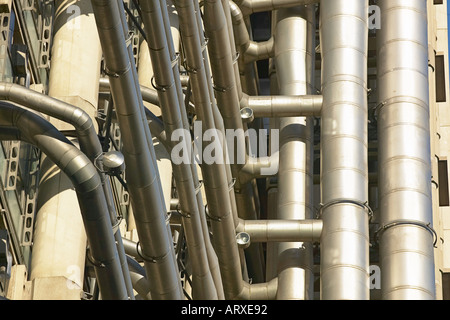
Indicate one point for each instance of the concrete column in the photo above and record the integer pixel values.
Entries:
(59, 246)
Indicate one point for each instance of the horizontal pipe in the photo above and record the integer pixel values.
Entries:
(251, 6)
(284, 106)
(308, 230)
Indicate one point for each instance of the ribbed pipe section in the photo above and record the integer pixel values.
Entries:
(406, 240)
(294, 56)
(344, 168)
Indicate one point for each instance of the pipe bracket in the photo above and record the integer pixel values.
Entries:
(147, 258)
(424, 225)
(158, 87)
(185, 215)
(211, 217)
(364, 205)
(94, 262)
(199, 187)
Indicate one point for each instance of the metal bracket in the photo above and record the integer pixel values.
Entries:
(5, 42)
(46, 34)
(426, 226)
(29, 211)
(13, 165)
(364, 205)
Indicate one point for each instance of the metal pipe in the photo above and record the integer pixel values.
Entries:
(216, 184)
(180, 81)
(249, 50)
(86, 134)
(33, 129)
(344, 168)
(227, 96)
(308, 230)
(202, 284)
(293, 60)
(142, 176)
(252, 6)
(284, 106)
(406, 237)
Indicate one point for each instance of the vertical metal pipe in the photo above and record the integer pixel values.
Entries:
(293, 57)
(215, 176)
(142, 176)
(173, 39)
(344, 168)
(406, 237)
(202, 284)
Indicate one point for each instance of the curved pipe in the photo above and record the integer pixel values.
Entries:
(250, 50)
(27, 126)
(86, 134)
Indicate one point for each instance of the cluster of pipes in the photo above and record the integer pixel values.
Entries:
(211, 42)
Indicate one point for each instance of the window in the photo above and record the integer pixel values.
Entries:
(437, 1)
(443, 183)
(440, 79)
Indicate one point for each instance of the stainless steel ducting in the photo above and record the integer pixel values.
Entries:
(235, 230)
(344, 165)
(406, 234)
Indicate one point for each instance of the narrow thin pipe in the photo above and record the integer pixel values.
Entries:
(203, 285)
(214, 175)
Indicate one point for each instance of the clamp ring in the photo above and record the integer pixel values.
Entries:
(426, 226)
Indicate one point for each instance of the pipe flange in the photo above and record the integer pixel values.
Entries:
(147, 258)
(424, 225)
(364, 205)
